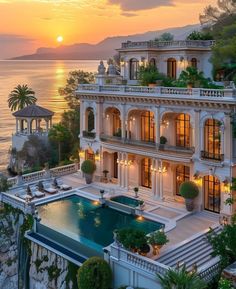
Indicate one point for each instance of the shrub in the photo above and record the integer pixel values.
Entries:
(163, 140)
(132, 239)
(182, 279)
(148, 74)
(225, 284)
(88, 167)
(95, 273)
(3, 184)
(189, 190)
(158, 238)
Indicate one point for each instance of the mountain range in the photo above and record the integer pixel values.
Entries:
(104, 49)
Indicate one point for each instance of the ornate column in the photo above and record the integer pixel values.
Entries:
(28, 126)
(153, 169)
(119, 169)
(17, 128)
(161, 179)
(197, 133)
(123, 124)
(157, 180)
(158, 124)
(82, 116)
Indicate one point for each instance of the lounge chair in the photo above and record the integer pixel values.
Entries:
(60, 185)
(47, 187)
(23, 194)
(35, 192)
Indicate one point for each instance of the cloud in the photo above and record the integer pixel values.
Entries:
(135, 5)
(129, 14)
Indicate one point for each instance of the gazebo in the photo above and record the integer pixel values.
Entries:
(33, 119)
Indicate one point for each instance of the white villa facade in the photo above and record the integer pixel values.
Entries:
(157, 137)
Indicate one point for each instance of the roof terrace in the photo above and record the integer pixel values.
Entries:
(152, 44)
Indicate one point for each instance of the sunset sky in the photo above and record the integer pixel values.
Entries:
(29, 24)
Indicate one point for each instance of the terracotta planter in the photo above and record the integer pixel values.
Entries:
(88, 178)
(156, 248)
(189, 205)
(152, 85)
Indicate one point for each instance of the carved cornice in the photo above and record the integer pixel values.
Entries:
(149, 100)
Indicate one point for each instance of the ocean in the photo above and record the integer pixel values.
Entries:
(44, 77)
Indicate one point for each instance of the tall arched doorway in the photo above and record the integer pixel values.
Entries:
(146, 173)
(212, 194)
(171, 67)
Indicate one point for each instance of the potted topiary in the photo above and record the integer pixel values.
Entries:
(189, 190)
(163, 141)
(157, 239)
(88, 167)
(148, 75)
(136, 189)
(105, 172)
(141, 205)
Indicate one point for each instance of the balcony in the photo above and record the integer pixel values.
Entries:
(159, 92)
(177, 149)
(207, 44)
(89, 134)
(211, 156)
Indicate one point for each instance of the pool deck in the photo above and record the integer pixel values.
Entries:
(179, 224)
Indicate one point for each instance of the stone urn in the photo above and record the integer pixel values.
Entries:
(88, 178)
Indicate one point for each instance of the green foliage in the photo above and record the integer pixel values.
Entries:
(35, 153)
(132, 239)
(71, 276)
(165, 37)
(189, 190)
(53, 272)
(200, 35)
(158, 238)
(3, 184)
(225, 284)
(60, 134)
(224, 244)
(148, 74)
(163, 140)
(181, 279)
(95, 273)
(194, 77)
(75, 78)
(88, 167)
(20, 97)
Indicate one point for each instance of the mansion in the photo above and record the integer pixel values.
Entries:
(155, 138)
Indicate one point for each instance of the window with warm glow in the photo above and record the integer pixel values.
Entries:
(212, 194)
(212, 139)
(171, 67)
(183, 130)
(148, 131)
(182, 175)
(146, 174)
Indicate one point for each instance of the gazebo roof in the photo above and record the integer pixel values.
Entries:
(33, 111)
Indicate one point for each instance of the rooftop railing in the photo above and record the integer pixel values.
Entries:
(168, 44)
(159, 91)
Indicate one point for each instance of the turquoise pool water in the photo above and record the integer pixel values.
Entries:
(126, 201)
(88, 222)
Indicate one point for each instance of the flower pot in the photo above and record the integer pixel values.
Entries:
(189, 205)
(152, 85)
(156, 248)
(88, 178)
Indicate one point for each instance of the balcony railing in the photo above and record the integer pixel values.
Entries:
(212, 156)
(89, 134)
(108, 138)
(159, 91)
(168, 44)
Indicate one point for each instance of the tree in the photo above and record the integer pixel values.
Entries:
(20, 97)
(75, 78)
(200, 35)
(165, 37)
(181, 279)
(224, 243)
(59, 134)
(95, 273)
(3, 184)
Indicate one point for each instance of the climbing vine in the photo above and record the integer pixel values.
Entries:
(72, 276)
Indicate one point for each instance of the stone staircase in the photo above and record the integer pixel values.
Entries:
(196, 251)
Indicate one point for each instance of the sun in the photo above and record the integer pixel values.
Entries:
(59, 39)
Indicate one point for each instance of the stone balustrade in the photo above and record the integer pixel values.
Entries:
(54, 172)
(159, 91)
(168, 44)
(147, 265)
(210, 270)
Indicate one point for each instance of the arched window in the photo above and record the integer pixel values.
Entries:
(148, 131)
(212, 194)
(194, 62)
(133, 69)
(171, 67)
(89, 155)
(152, 62)
(182, 175)
(90, 119)
(212, 140)
(183, 130)
(146, 174)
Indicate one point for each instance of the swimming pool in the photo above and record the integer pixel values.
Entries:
(88, 222)
(126, 201)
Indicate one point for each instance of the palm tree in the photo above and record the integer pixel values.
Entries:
(59, 134)
(20, 97)
(181, 279)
